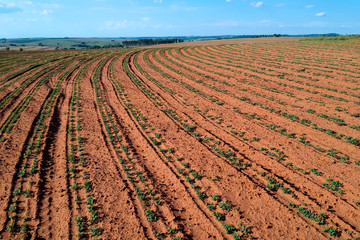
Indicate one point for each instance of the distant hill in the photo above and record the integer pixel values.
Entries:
(84, 43)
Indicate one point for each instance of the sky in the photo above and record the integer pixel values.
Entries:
(151, 18)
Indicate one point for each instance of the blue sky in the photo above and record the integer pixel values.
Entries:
(134, 18)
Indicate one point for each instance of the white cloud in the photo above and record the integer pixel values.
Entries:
(114, 25)
(10, 4)
(309, 6)
(49, 5)
(157, 26)
(280, 5)
(228, 0)
(264, 21)
(320, 14)
(158, 1)
(47, 11)
(257, 4)
(9, 19)
(145, 18)
(345, 26)
(9, 7)
(177, 7)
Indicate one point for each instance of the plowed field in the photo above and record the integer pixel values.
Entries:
(227, 141)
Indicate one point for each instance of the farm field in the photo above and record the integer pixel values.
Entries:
(240, 140)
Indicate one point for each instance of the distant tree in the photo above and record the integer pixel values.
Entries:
(21, 49)
(81, 45)
(145, 42)
(264, 35)
(7, 48)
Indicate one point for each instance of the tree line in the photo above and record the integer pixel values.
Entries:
(149, 41)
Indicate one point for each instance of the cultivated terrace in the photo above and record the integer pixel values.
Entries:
(255, 140)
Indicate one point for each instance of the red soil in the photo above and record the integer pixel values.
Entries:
(200, 141)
